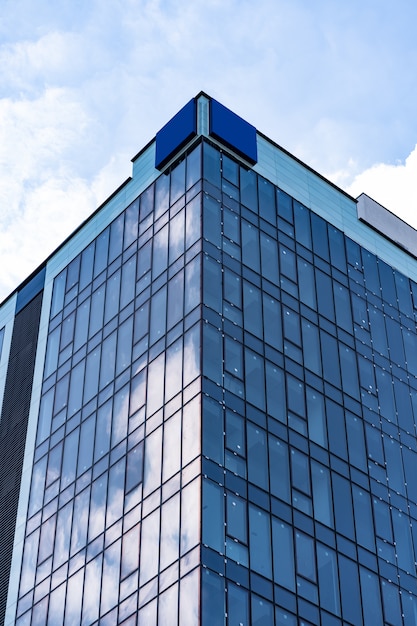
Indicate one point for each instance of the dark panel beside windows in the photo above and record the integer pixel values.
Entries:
(13, 427)
(30, 290)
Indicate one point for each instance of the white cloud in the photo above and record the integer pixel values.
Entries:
(41, 197)
(88, 84)
(393, 186)
(53, 174)
(28, 64)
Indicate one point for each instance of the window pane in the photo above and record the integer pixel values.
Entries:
(260, 541)
(328, 579)
(371, 598)
(322, 498)
(254, 379)
(237, 605)
(160, 252)
(236, 518)
(363, 518)
(279, 471)
(257, 456)
(134, 471)
(269, 258)
(213, 599)
(175, 299)
(213, 516)
(306, 563)
(176, 236)
(250, 246)
(275, 390)
(283, 554)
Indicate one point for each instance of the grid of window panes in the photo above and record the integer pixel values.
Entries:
(117, 458)
(309, 416)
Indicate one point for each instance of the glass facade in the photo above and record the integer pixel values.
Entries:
(309, 416)
(114, 507)
(227, 423)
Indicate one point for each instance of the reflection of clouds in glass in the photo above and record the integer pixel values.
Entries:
(170, 520)
(39, 612)
(115, 497)
(176, 236)
(134, 467)
(138, 391)
(54, 464)
(160, 251)
(173, 374)
(155, 387)
(46, 543)
(29, 562)
(161, 195)
(131, 223)
(37, 487)
(168, 607)
(120, 416)
(45, 415)
(190, 516)
(168, 576)
(190, 560)
(153, 454)
(192, 220)
(103, 429)
(110, 577)
(63, 535)
(130, 552)
(56, 606)
(74, 596)
(92, 588)
(191, 423)
(192, 285)
(126, 608)
(189, 599)
(80, 521)
(149, 547)
(147, 615)
(97, 507)
(191, 355)
(171, 447)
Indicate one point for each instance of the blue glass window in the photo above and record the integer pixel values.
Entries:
(260, 541)
(349, 588)
(279, 470)
(257, 456)
(282, 541)
(237, 606)
(213, 516)
(328, 579)
(322, 497)
(371, 597)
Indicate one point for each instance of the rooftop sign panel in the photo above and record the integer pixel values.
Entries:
(233, 131)
(176, 133)
(224, 126)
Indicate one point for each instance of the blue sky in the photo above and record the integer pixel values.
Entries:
(84, 84)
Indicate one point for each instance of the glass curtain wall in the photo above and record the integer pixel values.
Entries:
(114, 516)
(246, 382)
(309, 416)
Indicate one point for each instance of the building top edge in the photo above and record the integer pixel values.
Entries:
(363, 220)
(387, 223)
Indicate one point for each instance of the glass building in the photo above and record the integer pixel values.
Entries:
(209, 400)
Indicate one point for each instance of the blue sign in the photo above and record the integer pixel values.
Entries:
(233, 131)
(176, 133)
